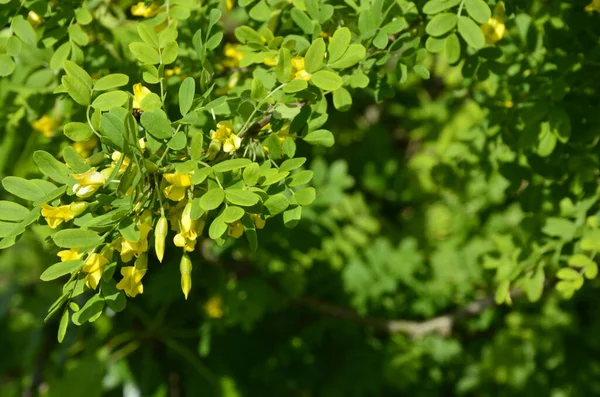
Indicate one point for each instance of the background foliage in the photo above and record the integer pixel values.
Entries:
(464, 167)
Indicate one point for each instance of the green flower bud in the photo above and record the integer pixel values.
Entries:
(160, 236)
(185, 268)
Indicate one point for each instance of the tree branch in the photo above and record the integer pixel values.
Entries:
(442, 325)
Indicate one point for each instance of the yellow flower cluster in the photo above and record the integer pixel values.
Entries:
(224, 137)
(494, 29)
(131, 282)
(298, 71)
(88, 183)
(129, 249)
(593, 6)
(46, 125)
(142, 10)
(178, 184)
(56, 215)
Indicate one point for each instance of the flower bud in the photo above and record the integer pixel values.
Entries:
(185, 268)
(236, 229)
(78, 207)
(186, 218)
(160, 236)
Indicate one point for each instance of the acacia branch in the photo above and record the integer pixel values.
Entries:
(442, 325)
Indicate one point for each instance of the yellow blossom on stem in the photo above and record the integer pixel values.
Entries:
(189, 230)
(142, 10)
(69, 255)
(88, 183)
(34, 19)
(173, 72)
(46, 125)
(235, 56)
(593, 6)
(131, 282)
(229, 4)
(214, 307)
(160, 235)
(139, 94)
(270, 61)
(94, 267)
(178, 184)
(85, 148)
(258, 221)
(129, 249)
(494, 29)
(56, 215)
(298, 71)
(224, 136)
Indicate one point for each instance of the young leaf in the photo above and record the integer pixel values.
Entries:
(230, 165)
(242, 197)
(441, 24)
(10, 211)
(478, 10)
(144, 53)
(471, 32)
(320, 137)
(326, 80)
(186, 95)
(339, 44)
(351, 57)
(313, 60)
(283, 69)
(76, 238)
(157, 124)
(212, 199)
(60, 269)
(111, 81)
(109, 100)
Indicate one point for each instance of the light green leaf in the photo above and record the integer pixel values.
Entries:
(320, 137)
(478, 10)
(251, 174)
(292, 217)
(242, 197)
(452, 48)
(7, 65)
(22, 188)
(436, 6)
(306, 196)
(83, 15)
(313, 60)
(351, 57)
(302, 20)
(217, 228)
(78, 35)
(283, 69)
(60, 269)
(339, 44)
(60, 56)
(62, 326)
(568, 274)
(111, 81)
(230, 165)
(296, 85)
(108, 100)
(246, 34)
(10, 211)
(77, 90)
(148, 34)
(212, 199)
(170, 53)
(145, 53)
(157, 124)
(277, 203)
(186, 95)
(178, 142)
(292, 164)
(326, 80)
(441, 24)
(76, 238)
(342, 100)
(471, 32)
(23, 29)
(232, 214)
(78, 73)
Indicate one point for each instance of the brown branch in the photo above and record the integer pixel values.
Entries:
(442, 325)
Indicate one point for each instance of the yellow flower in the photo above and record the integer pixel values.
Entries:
(229, 4)
(189, 229)
(56, 215)
(142, 10)
(593, 6)
(232, 52)
(224, 135)
(236, 229)
(493, 30)
(85, 148)
(129, 249)
(172, 72)
(34, 19)
(179, 183)
(270, 61)
(88, 183)
(139, 94)
(284, 132)
(94, 267)
(46, 125)
(131, 282)
(258, 221)
(214, 307)
(298, 71)
(160, 235)
(69, 255)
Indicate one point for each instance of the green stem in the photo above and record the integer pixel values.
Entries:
(260, 103)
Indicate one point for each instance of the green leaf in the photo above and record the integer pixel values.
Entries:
(230, 165)
(441, 24)
(313, 60)
(92, 308)
(351, 57)
(157, 124)
(144, 53)
(113, 129)
(260, 12)
(320, 137)
(292, 217)
(283, 69)
(52, 168)
(77, 131)
(214, 41)
(148, 34)
(186, 95)
(76, 238)
(246, 34)
(534, 286)
(178, 142)
(478, 10)
(302, 20)
(83, 15)
(167, 35)
(251, 174)
(129, 230)
(502, 291)
(435, 44)
(241, 197)
(326, 80)
(342, 100)
(108, 100)
(10, 211)
(196, 145)
(422, 72)
(77, 90)
(436, 6)
(276, 204)
(62, 326)
(23, 29)
(217, 228)
(306, 196)
(559, 227)
(60, 269)
(274, 177)
(568, 274)
(13, 46)
(74, 160)
(471, 32)
(111, 81)
(60, 56)
(77, 72)
(170, 52)
(78, 35)
(292, 164)
(7, 65)
(212, 199)
(232, 214)
(257, 90)
(114, 298)
(452, 48)
(339, 44)
(296, 85)
(580, 260)
(22, 188)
